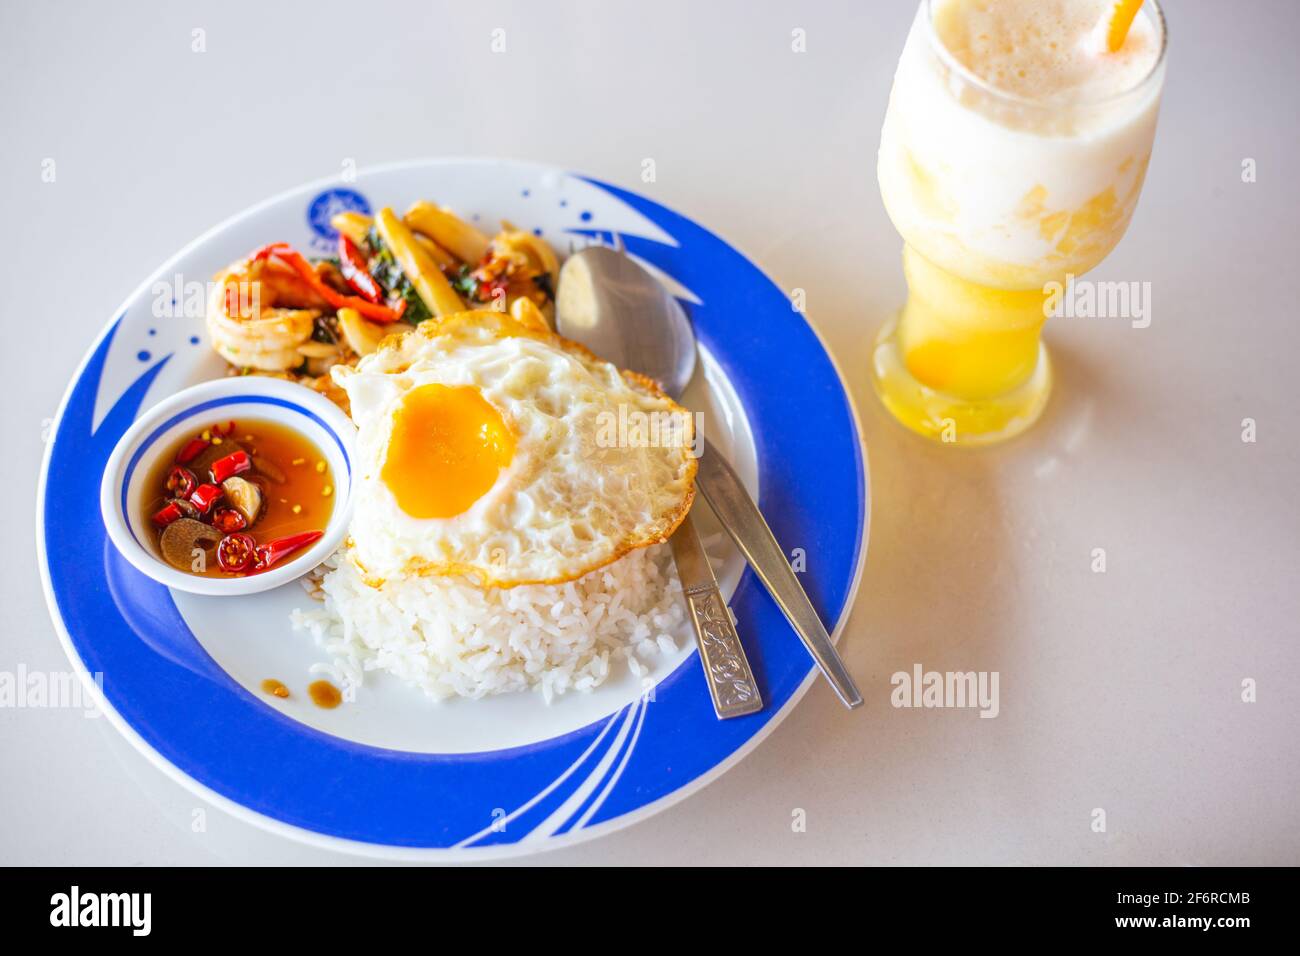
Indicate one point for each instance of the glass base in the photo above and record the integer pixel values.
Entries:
(948, 418)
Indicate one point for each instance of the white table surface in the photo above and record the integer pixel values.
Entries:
(1119, 690)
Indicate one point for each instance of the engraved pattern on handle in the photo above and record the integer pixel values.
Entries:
(731, 683)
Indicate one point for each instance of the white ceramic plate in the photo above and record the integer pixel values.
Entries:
(393, 773)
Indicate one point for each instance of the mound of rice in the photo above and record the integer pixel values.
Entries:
(453, 639)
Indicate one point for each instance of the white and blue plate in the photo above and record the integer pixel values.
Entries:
(392, 773)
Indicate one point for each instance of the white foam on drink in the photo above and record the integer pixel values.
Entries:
(1049, 51)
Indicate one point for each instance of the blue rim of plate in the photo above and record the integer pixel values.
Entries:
(171, 700)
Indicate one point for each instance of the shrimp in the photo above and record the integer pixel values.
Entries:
(261, 316)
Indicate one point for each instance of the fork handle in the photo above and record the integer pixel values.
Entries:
(737, 512)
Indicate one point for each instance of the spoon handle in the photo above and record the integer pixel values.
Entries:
(737, 512)
(726, 668)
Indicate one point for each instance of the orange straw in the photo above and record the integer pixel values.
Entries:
(1118, 22)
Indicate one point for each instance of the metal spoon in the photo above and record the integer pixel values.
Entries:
(600, 283)
(608, 303)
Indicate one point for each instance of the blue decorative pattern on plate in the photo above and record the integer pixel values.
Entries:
(394, 774)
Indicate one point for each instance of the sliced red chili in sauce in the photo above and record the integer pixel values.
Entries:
(236, 463)
(235, 552)
(205, 496)
(228, 520)
(181, 482)
(167, 514)
(199, 481)
(193, 448)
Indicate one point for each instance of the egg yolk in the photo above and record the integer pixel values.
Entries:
(447, 448)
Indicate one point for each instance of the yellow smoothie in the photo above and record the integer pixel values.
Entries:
(1012, 154)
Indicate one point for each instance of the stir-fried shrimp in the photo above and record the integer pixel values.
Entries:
(275, 312)
(262, 315)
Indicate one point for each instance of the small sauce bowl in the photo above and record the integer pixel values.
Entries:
(123, 492)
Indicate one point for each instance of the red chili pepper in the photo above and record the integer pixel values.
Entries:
(236, 463)
(228, 520)
(223, 432)
(180, 482)
(167, 514)
(294, 260)
(205, 496)
(273, 551)
(191, 450)
(353, 266)
(235, 552)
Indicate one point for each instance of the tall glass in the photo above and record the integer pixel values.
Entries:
(997, 197)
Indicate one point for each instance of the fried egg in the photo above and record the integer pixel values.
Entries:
(499, 451)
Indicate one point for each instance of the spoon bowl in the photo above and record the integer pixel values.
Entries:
(608, 303)
(611, 305)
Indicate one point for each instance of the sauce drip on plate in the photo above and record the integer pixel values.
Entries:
(324, 694)
(275, 688)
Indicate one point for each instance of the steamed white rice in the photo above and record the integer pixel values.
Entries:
(453, 639)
